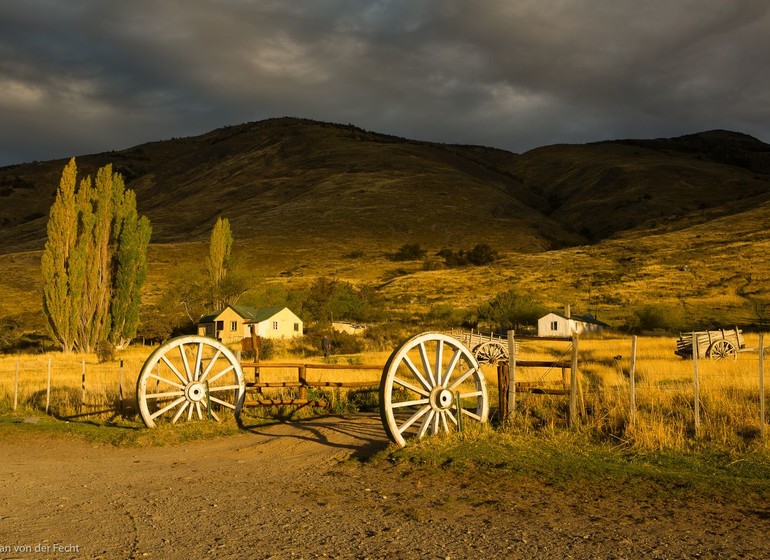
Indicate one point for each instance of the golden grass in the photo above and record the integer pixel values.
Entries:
(729, 389)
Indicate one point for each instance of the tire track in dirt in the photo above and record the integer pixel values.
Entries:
(280, 492)
(163, 501)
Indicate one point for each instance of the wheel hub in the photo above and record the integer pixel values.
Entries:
(441, 398)
(195, 391)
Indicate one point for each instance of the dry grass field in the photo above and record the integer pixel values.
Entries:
(607, 227)
(729, 391)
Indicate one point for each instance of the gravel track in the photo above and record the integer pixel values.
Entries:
(285, 491)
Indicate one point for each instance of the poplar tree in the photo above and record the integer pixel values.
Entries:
(94, 263)
(131, 270)
(56, 264)
(220, 246)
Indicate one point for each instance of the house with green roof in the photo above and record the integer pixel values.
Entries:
(236, 322)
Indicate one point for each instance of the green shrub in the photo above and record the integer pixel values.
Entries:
(105, 351)
(481, 254)
(409, 252)
(657, 316)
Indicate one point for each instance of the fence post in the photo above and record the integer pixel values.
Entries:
(48, 388)
(502, 391)
(762, 385)
(511, 376)
(120, 388)
(573, 383)
(302, 375)
(632, 381)
(83, 383)
(16, 386)
(696, 383)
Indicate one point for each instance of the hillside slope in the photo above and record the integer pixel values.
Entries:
(607, 226)
(315, 183)
(300, 180)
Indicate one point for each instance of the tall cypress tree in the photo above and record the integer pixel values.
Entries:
(58, 301)
(133, 235)
(101, 267)
(220, 246)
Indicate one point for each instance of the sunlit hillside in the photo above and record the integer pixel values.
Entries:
(606, 227)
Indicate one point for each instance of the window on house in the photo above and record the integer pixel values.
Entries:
(233, 326)
(275, 325)
(220, 325)
(296, 327)
(554, 325)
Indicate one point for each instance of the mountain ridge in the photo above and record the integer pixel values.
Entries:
(300, 178)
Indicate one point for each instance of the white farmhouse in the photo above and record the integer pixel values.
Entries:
(558, 324)
(236, 322)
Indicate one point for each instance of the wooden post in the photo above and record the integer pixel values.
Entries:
(632, 381)
(302, 374)
(696, 384)
(573, 383)
(511, 376)
(16, 386)
(83, 383)
(255, 343)
(120, 387)
(502, 391)
(48, 388)
(762, 385)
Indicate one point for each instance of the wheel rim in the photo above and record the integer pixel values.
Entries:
(419, 386)
(189, 378)
(722, 349)
(491, 353)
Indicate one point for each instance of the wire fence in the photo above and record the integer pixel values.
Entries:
(628, 388)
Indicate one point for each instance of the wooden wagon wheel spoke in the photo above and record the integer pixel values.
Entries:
(180, 412)
(164, 380)
(722, 349)
(407, 385)
(418, 401)
(416, 416)
(192, 391)
(172, 367)
(491, 352)
(210, 365)
(417, 374)
(452, 365)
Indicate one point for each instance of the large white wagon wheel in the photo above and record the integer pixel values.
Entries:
(187, 378)
(722, 349)
(491, 352)
(420, 383)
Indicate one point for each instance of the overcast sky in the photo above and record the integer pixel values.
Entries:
(85, 76)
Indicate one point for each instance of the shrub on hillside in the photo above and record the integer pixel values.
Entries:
(655, 316)
(481, 254)
(328, 300)
(105, 351)
(511, 310)
(386, 336)
(409, 252)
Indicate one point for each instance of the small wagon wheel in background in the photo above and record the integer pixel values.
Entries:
(722, 349)
(189, 377)
(491, 352)
(420, 385)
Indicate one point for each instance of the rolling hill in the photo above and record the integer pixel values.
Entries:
(598, 224)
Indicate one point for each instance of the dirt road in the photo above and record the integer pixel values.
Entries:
(281, 492)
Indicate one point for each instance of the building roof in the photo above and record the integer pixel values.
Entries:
(249, 314)
(587, 318)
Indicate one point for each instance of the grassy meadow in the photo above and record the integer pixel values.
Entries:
(729, 391)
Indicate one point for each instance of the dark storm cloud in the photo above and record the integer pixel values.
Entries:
(91, 75)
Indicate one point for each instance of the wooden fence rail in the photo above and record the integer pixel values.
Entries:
(302, 382)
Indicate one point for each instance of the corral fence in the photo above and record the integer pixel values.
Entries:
(632, 389)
